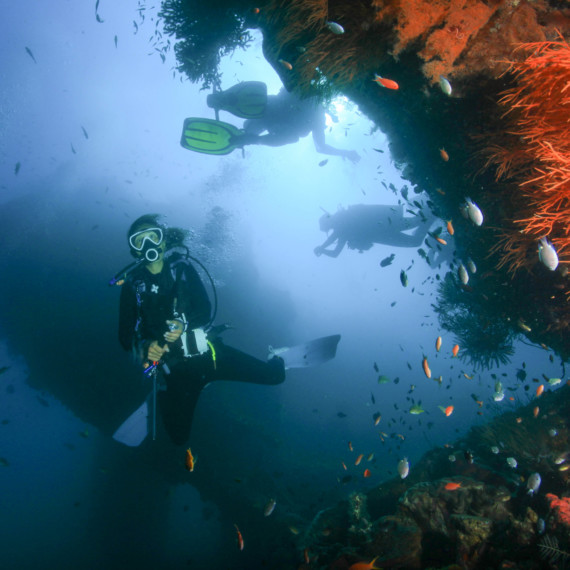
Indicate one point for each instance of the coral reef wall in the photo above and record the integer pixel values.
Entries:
(497, 152)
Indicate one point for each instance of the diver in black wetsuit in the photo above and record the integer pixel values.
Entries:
(164, 309)
(288, 118)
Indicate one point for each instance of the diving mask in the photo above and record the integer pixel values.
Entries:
(147, 242)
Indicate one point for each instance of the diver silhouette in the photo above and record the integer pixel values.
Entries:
(273, 120)
(361, 226)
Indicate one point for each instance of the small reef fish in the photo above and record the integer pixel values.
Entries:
(535, 411)
(468, 456)
(495, 450)
(463, 275)
(450, 228)
(473, 212)
(440, 240)
(499, 396)
(403, 468)
(452, 458)
(426, 367)
(84, 132)
(377, 417)
(269, 507)
(388, 83)
(17, 168)
(447, 410)
(554, 381)
(547, 254)
(404, 278)
(443, 154)
(344, 466)
(306, 556)
(323, 162)
(455, 350)
(240, 542)
(444, 85)
(512, 462)
(294, 530)
(416, 410)
(285, 64)
(438, 343)
(29, 52)
(561, 458)
(367, 473)
(471, 266)
(387, 260)
(539, 390)
(350, 446)
(364, 566)
(255, 10)
(451, 486)
(533, 483)
(552, 432)
(540, 526)
(335, 28)
(359, 459)
(190, 462)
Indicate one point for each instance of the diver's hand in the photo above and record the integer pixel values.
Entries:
(352, 155)
(175, 329)
(156, 352)
(318, 251)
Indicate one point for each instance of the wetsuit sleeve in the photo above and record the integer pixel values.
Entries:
(196, 304)
(127, 316)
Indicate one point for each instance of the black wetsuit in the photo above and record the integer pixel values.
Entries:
(175, 292)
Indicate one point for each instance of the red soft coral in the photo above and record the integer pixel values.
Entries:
(561, 508)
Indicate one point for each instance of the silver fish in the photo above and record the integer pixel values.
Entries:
(547, 254)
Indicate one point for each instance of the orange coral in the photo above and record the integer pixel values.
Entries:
(536, 154)
(561, 508)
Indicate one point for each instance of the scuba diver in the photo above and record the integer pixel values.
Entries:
(165, 320)
(361, 226)
(273, 120)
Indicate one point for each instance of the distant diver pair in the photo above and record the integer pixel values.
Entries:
(270, 120)
(166, 320)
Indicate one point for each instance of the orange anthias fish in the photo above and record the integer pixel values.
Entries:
(240, 542)
(388, 83)
(448, 411)
(455, 350)
(443, 154)
(359, 459)
(190, 461)
(438, 343)
(425, 365)
(285, 64)
(450, 229)
(350, 446)
(440, 240)
(452, 486)
(367, 473)
(539, 390)
(364, 566)
(535, 411)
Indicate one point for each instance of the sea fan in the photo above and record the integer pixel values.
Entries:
(549, 550)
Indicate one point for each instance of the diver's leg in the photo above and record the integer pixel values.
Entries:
(178, 401)
(232, 364)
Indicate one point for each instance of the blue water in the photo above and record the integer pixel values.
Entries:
(70, 496)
